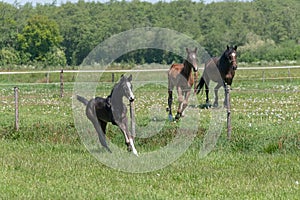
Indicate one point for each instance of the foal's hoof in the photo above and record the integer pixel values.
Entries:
(135, 152)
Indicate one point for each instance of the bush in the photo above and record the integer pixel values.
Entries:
(55, 57)
(269, 51)
(9, 56)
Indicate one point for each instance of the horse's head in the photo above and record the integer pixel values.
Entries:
(192, 58)
(126, 86)
(231, 56)
(230, 64)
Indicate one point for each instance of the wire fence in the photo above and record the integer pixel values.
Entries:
(56, 79)
(259, 70)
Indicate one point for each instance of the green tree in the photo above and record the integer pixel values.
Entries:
(41, 33)
(8, 25)
(38, 37)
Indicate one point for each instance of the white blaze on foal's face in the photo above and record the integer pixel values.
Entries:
(130, 91)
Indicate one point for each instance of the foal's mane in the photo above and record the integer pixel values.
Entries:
(187, 68)
(115, 86)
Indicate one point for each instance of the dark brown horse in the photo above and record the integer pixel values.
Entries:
(181, 76)
(100, 111)
(220, 70)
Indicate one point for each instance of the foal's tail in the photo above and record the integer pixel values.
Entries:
(200, 85)
(82, 99)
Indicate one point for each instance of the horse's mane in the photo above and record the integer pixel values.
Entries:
(186, 70)
(224, 58)
(112, 90)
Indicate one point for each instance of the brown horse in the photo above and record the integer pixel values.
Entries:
(181, 76)
(220, 70)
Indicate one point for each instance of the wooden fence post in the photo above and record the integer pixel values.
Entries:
(47, 77)
(16, 91)
(61, 83)
(113, 77)
(227, 89)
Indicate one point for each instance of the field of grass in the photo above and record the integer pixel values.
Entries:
(46, 159)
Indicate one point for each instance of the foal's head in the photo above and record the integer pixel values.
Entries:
(192, 58)
(231, 56)
(125, 87)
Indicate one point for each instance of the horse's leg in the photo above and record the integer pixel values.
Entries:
(103, 125)
(185, 101)
(128, 138)
(91, 114)
(180, 101)
(170, 100)
(216, 104)
(207, 94)
(200, 84)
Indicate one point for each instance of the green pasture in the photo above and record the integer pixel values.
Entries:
(46, 158)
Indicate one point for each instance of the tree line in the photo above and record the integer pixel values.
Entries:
(49, 35)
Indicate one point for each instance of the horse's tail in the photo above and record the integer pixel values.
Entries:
(200, 85)
(82, 100)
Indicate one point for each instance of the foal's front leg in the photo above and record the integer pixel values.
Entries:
(128, 138)
(186, 101)
(170, 99)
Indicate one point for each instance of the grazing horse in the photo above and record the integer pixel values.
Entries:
(181, 76)
(220, 70)
(100, 111)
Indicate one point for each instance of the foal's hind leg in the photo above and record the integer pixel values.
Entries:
(103, 126)
(91, 114)
(170, 100)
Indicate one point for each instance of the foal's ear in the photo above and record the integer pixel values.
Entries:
(227, 47)
(196, 50)
(187, 50)
(235, 48)
(130, 78)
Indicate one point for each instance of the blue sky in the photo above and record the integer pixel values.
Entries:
(22, 2)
